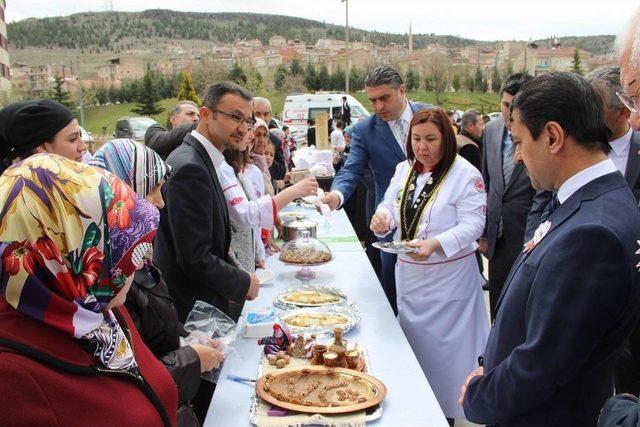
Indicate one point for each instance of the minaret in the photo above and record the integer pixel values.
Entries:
(410, 39)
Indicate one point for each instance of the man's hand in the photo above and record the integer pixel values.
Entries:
(254, 287)
(210, 358)
(380, 223)
(331, 199)
(479, 371)
(484, 246)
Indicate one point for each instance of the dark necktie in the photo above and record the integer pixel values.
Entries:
(552, 205)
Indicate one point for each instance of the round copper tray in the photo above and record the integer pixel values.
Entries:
(374, 386)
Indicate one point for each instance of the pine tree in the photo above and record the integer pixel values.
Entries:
(58, 93)
(280, 77)
(147, 97)
(255, 83)
(412, 81)
(338, 80)
(576, 65)
(478, 79)
(496, 81)
(237, 74)
(187, 91)
(296, 68)
(311, 77)
(324, 81)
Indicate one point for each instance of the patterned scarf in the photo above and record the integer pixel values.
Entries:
(70, 237)
(137, 165)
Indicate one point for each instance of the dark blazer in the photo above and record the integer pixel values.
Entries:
(566, 309)
(632, 172)
(192, 244)
(164, 141)
(372, 144)
(516, 202)
(278, 169)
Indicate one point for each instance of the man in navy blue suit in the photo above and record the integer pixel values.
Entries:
(573, 295)
(378, 142)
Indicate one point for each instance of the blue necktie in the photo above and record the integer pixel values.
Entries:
(552, 205)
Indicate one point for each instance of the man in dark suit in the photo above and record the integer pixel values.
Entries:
(378, 142)
(346, 111)
(573, 295)
(625, 154)
(513, 206)
(192, 243)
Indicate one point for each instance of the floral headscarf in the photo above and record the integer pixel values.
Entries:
(70, 236)
(136, 164)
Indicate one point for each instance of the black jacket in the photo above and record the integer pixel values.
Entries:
(152, 310)
(278, 168)
(164, 141)
(192, 244)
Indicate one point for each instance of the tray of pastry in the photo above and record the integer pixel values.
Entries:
(321, 390)
(372, 413)
(309, 296)
(305, 256)
(320, 320)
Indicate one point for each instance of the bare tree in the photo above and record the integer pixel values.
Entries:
(436, 72)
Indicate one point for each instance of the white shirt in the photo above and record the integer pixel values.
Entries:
(619, 153)
(405, 118)
(337, 138)
(584, 177)
(214, 154)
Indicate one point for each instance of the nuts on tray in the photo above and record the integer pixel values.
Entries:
(304, 256)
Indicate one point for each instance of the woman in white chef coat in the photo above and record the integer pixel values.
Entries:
(437, 200)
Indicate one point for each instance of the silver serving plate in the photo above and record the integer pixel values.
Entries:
(348, 311)
(394, 247)
(283, 304)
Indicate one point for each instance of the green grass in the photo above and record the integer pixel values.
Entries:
(107, 115)
(95, 118)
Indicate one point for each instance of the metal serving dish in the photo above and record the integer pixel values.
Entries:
(290, 229)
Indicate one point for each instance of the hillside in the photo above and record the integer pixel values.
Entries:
(114, 31)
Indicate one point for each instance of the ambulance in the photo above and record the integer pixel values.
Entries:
(300, 107)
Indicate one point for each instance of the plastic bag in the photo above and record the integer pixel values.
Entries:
(206, 322)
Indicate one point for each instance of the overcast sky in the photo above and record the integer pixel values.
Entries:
(477, 19)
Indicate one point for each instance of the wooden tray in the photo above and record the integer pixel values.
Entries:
(375, 389)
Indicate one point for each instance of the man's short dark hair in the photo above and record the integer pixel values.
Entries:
(340, 124)
(567, 99)
(215, 92)
(383, 75)
(469, 118)
(514, 82)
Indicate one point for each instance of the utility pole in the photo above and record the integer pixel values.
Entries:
(346, 78)
(80, 94)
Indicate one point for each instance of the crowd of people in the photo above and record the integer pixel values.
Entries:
(104, 256)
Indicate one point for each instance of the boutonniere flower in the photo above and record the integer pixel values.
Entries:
(538, 235)
(430, 180)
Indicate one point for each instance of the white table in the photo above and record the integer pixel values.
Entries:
(410, 400)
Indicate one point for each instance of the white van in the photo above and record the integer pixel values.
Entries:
(300, 107)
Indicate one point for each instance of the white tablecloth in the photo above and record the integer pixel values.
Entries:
(410, 400)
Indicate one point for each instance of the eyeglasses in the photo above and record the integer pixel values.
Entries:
(628, 100)
(238, 118)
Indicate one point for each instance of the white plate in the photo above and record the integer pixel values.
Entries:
(399, 248)
(265, 276)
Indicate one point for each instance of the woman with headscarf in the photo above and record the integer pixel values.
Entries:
(71, 238)
(149, 301)
(41, 126)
